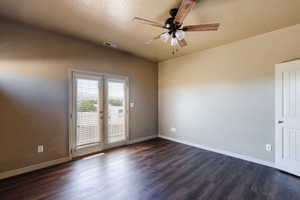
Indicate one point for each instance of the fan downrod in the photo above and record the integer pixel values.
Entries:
(173, 12)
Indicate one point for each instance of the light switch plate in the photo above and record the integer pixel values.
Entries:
(131, 105)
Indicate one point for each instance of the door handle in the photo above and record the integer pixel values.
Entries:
(280, 122)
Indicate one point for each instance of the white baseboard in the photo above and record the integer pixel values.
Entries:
(227, 153)
(143, 139)
(31, 168)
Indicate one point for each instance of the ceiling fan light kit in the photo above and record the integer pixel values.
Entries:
(180, 34)
(174, 41)
(174, 25)
(165, 37)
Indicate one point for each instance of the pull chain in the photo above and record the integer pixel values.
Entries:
(174, 50)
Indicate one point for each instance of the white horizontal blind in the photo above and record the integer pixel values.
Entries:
(116, 111)
(87, 112)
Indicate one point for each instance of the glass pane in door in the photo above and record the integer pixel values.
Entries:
(87, 123)
(116, 112)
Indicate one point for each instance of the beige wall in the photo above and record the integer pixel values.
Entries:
(34, 91)
(224, 97)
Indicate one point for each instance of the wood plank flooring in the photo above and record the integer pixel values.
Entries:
(157, 169)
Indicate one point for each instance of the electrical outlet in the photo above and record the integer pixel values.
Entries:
(268, 147)
(40, 148)
(173, 130)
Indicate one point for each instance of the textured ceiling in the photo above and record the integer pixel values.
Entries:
(111, 20)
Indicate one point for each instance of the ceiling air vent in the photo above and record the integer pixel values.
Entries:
(109, 44)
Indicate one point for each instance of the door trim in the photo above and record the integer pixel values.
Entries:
(71, 120)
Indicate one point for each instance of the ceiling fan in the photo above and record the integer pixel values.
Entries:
(174, 24)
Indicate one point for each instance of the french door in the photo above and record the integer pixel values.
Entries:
(99, 114)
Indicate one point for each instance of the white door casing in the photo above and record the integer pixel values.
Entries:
(103, 79)
(287, 101)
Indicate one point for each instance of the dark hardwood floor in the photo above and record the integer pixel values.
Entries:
(157, 169)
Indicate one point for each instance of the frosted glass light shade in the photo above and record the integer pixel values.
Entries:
(174, 41)
(165, 37)
(180, 34)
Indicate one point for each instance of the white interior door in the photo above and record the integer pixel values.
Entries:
(288, 117)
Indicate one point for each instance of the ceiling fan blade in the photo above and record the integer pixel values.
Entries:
(184, 9)
(182, 43)
(155, 38)
(202, 27)
(149, 22)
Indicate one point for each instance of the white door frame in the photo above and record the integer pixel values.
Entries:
(279, 115)
(71, 118)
